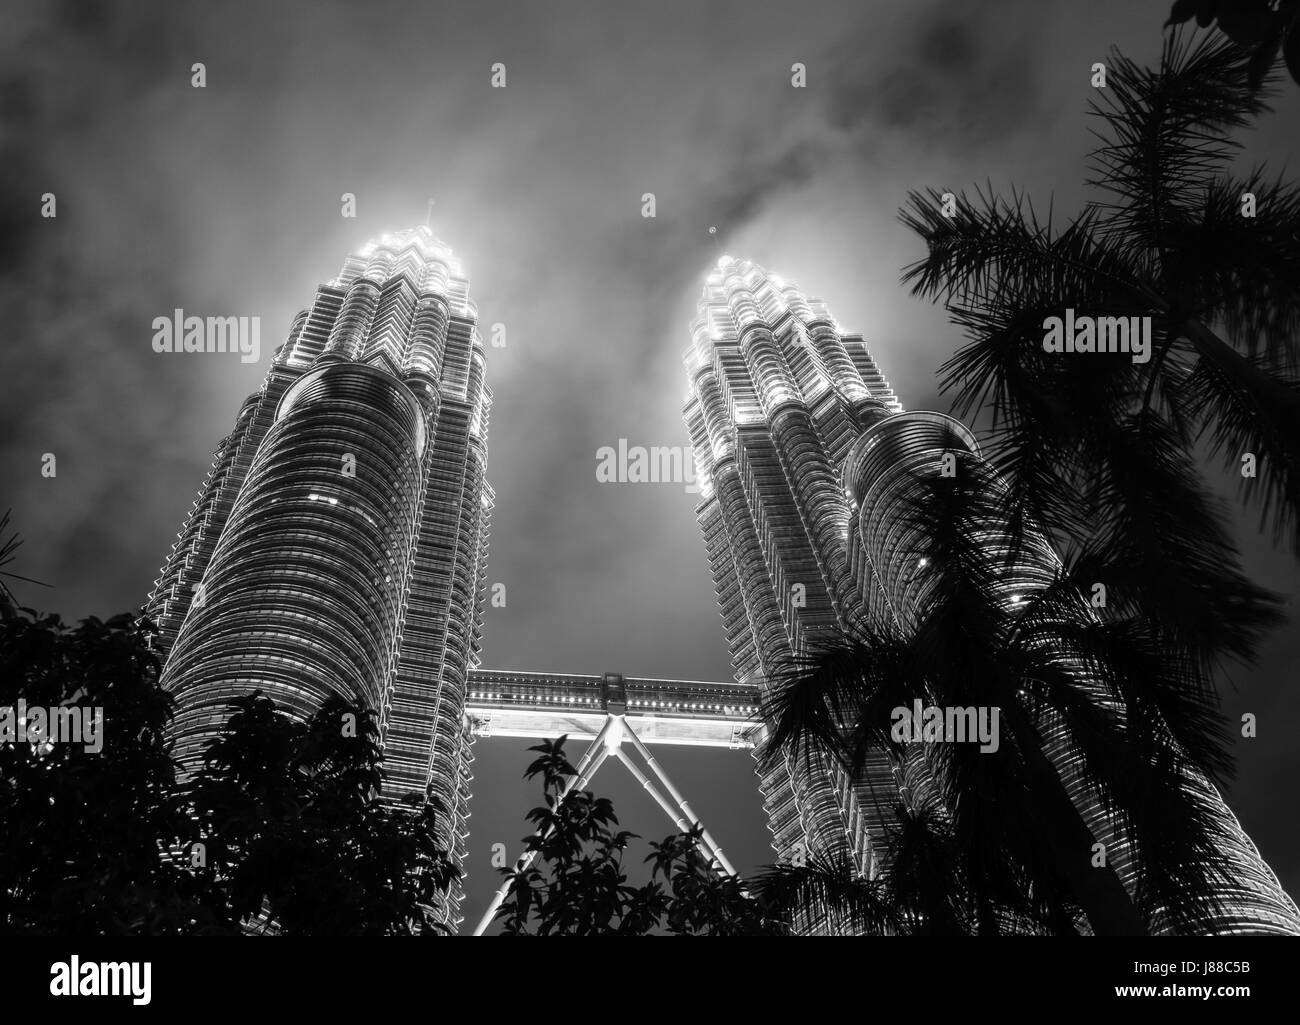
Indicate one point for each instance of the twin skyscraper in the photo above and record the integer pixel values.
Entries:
(339, 545)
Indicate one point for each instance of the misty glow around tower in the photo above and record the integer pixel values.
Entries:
(339, 543)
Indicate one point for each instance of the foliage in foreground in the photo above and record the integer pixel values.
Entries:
(281, 827)
(577, 885)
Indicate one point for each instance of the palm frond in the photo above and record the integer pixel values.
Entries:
(1249, 412)
(8, 547)
(1160, 544)
(1243, 272)
(828, 890)
(836, 699)
(1167, 131)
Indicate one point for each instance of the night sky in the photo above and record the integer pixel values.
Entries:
(225, 201)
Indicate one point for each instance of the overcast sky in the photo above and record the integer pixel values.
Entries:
(226, 201)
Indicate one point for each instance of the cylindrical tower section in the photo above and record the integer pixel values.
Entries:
(353, 323)
(773, 381)
(428, 337)
(713, 409)
(839, 365)
(302, 598)
(883, 472)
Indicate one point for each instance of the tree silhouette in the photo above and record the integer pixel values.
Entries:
(1070, 687)
(1265, 26)
(8, 546)
(576, 885)
(293, 832)
(924, 886)
(83, 847)
(1101, 452)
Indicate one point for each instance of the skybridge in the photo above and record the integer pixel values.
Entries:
(507, 703)
(616, 714)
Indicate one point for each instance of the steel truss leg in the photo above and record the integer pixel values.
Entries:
(711, 844)
(591, 760)
(607, 743)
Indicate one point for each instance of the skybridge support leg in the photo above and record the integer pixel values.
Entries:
(673, 814)
(608, 742)
(710, 844)
(677, 815)
(591, 760)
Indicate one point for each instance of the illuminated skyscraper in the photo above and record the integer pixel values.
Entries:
(339, 542)
(808, 467)
(777, 398)
(338, 545)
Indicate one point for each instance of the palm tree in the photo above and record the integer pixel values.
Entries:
(925, 887)
(1099, 451)
(1110, 724)
(1269, 26)
(1099, 735)
(8, 546)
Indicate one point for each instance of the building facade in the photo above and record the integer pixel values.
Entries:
(777, 397)
(339, 545)
(809, 468)
(339, 542)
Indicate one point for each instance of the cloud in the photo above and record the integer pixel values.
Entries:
(227, 200)
(924, 84)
